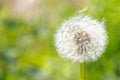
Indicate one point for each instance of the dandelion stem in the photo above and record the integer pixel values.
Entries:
(82, 71)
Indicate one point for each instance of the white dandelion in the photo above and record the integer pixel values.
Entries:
(81, 39)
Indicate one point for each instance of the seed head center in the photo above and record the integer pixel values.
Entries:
(82, 40)
(81, 37)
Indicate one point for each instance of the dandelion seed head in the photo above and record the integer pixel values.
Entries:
(81, 39)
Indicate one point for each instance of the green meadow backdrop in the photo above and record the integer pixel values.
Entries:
(27, 29)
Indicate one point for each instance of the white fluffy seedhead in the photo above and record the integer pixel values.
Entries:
(81, 39)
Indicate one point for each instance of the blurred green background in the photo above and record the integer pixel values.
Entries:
(27, 29)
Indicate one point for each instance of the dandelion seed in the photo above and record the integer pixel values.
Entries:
(81, 39)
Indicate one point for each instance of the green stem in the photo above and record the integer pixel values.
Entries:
(82, 71)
